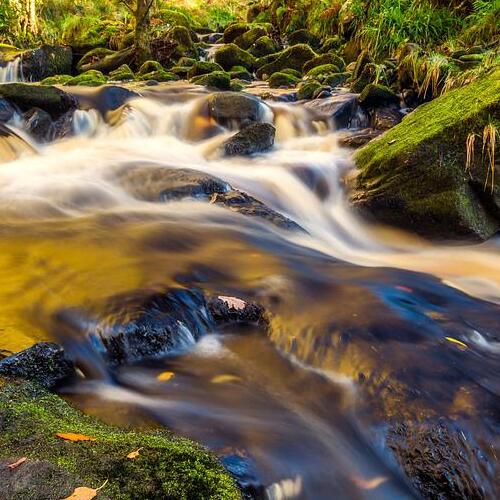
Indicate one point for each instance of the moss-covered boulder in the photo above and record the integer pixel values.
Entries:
(26, 96)
(122, 74)
(45, 61)
(233, 31)
(159, 75)
(366, 76)
(307, 88)
(247, 39)
(336, 79)
(104, 60)
(321, 72)
(304, 36)
(430, 174)
(149, 67)
(331, 44)
(264, 46)
(329, 58)
(186, 61)
(219, 80)
(93, 56)
(203, 67)
(376, 95)
(166, 467)
(91, 78)
(294, 57)
(240, 73)
(282, 80)
(56, 80)
(231, 55)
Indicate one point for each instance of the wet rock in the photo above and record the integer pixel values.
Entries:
(343, 109)
(217, 80)
(231, 55)
(233, 310)
(234, 110)
(48, 60)
(104, 99)
(357, 138)
(415, 175)
(6, 111)
(439, 461)
(245, 474)
(282, 80)
(294, 58)
(386, 118)
(255, 138)
(306, 89)
(44, 363)
(26, 96)
(376, 96)
(38, 123)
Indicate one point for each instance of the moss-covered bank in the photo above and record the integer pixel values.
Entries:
(421, 175)
(167, 467)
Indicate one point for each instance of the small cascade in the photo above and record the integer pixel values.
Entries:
(11, 73)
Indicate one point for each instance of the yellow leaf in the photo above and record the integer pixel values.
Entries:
(369, 484)
(165, 376)
(15, 465)
(75, 437)
(224, 379)
(458, 342)
(134, 454)
(84, 493)
(233, 302)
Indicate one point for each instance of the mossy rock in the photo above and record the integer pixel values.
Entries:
(306, 89)
(91, 78)
(323, 59)
(264, 46)
(233, 31)
(105, 61)
(127, 41)
(27, 96)
(186, 61)
(181, 35)
(237, 85)
(416, 176)
(331, 44)
(56, 80)
(93, 56)
(149, 67)
(262, 61)
(231, 55)
(367, 76)
(203, 68)
(336, 79)
(321, 72)
(167, 466)
(219, 80)
(279, 80)
(45, 61)
(247, 39)
(294, 57)
(241, 74)
(363, 59)
(180, 71)
(304, 36)
(376, 95)
(122, 74)
(159, 75)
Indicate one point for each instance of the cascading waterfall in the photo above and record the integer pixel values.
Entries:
(11, 72)
(338, 275)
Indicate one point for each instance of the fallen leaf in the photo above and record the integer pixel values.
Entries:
(165, 376)
(134, 454)
(15, 465)
(224, 379)
(404, 289)
(457, 342)
(233, 302)
(369, 484)
(84, 493)
(75, 437)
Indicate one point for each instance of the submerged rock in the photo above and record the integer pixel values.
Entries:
(38, 123)
(168, 466)
(44, 363)
(431, 174)
(255, 138)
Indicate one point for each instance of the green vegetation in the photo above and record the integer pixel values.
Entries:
(166, 467)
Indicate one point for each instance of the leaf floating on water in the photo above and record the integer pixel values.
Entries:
(460, 344)
(84, 493)
(233, 302)
(369, 484)
(225, 379)
(15, 465)
(75, 437)
(134, 454)
(404, 289)
(165, 376)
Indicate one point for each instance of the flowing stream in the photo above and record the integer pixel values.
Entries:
(361, 316)
(11, 72)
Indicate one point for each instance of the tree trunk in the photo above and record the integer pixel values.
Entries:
(141, 39)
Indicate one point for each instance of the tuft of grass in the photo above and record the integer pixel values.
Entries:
(490, 134)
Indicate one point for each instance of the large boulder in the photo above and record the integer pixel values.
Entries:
(435, 173)
(255, 138)
(231, 55)
(247, 39)
(48, 60)
(217, 80)
(26, 96)
(105, 61)
(294, 58)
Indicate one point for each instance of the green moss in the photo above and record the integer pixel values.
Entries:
(363, 59)
(415, 175)
(56, 80)
(203, 68)
(93, 56)
(307, 89)
(91, 78)
(247, 39)
(375, 95)
(186, 61)
(159, 76)
(149, 67)
(233, 31)
(277, 80)
(336, 79)
(304, 36)
(219, 80)
(241, 74)
(321, 72)
(264, 46)
(332, 43)
(294, 57)
(293, 72)
(122, 74)
(323, 59)
(167, 467)
(231, 55)
(368, 75)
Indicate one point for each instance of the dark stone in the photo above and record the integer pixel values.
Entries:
(6, 111)
(104, 99)
(376, 96)
(439, 462)
(48, 60)
(44, 363)
(386, 118)
(255, 138)
(357, 138)
(39, 124)
(224, 312)
(50, 99)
